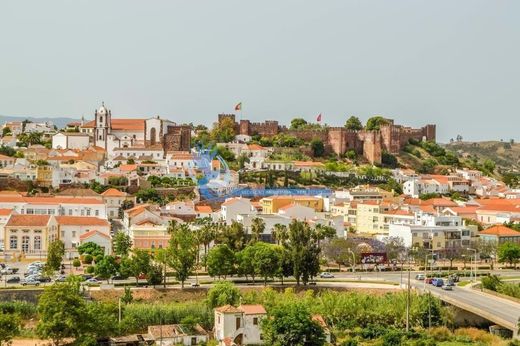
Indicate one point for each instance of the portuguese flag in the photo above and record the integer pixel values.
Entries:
(238, 107)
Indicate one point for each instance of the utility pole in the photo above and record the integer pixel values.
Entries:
(119, 311)
(408, 298)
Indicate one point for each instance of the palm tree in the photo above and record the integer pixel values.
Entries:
(280, 234)
(257, 228)
(322, 232)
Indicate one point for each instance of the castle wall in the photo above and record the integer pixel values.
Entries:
(177, 138)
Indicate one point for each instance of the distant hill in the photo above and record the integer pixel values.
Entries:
(505, 154)
(60, 122)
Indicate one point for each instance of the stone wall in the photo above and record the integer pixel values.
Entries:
(177, 138)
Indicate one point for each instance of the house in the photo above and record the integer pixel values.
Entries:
(234, 206)
(29, 235)
(239, 325)
(7, 161)
(271, 205)
(71, 228)
(114, 200)
(100, 238)
(297, 211)
(45, 126)
(178, 334)
(4, 216)
(140, 213)
(149, 235)
(500, 234)
(70, 140)
(16, 127)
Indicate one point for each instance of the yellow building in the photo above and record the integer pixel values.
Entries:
(271, 205)
(44, 175)
(29, 235)
(370, 217)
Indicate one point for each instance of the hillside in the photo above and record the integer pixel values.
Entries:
(506, 155)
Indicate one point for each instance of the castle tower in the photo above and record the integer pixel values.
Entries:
(102, 126)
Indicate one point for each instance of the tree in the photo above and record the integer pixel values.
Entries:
(303, 250)
(375, 123)
(55, 254)
(292, 324)
(257, 229)
(106, 268)
(233, 236)
(322, 232)
(280, 234)
(224, 131)
(9, 327)
(223, 293)
(122, 243)
(509, 252)
(245, 261)
(267, 260)
(139, 264)
(394, 248)
(298, 124)
(182, 251)
(339, 250)
(155, 276)
(6, 131)
(220, 261)
(353, 123)
(317, 147)
(62, 311)
(90, 248)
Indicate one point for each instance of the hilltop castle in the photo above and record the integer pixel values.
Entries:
(390, 138)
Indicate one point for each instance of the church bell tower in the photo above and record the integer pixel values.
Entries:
(103, 126)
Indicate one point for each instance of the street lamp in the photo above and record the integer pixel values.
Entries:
(473, 271)
(353, 260)
(426, 266)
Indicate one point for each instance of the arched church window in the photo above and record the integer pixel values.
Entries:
(100, 119)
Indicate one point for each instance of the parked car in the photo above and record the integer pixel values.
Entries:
(118, 277)
(86, 276)
(326, 275)
(438, 282)
(61, 278)
(454, 277)
(428, 280)
(93, 281)
(43, 279)
(447, 288)
(450, 283)
(13, 280)
(420, 277)
(8, 271)
(30, 282)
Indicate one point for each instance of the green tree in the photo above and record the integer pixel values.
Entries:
(139, 264)
(509, 252)
(55, 254)
(62, 312)
(267, 260)
(106, 268)
(353, 123)
(220, 261)
(224, 131)
(223, 293)
(375, 123)
(303, 250)
(339, 250)
(280, 234)
(292, 324)
(232, 235)
(245, 260)
(257, 229)
(183, 249)
(122, 244)
(317, 147)
(90, 248)
(9, 327)
(6, 131)
(298, 124)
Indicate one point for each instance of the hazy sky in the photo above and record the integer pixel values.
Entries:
(453, 63)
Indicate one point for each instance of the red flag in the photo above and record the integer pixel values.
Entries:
(238, 107)
(318, 118)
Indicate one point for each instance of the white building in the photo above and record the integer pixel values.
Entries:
(239, 326)
(234, 206)
(71, 228)
(99, 238)
(70, 140)
(46, 126)
(177, 334)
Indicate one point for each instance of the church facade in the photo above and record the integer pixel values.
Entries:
(151, 133)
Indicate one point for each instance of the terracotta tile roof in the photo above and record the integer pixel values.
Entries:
(501, 231)
(399, 212)
(127, 168)
(233, 200)
(10, 193)
(253, 309)
(114, 193)
(92, 233)
(138, 209)
(203, 208)
(440, 202)
(228, 309)
(78, 192)
(81, 221)
(5, 212)
(174, 330)
(54, 200)
(121, 124)
(255, 147)
(28, 220)
(308, 164)
(5, 157)
(89, 124)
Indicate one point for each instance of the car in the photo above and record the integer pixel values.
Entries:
(93, 281)
(118, 277)
(326, 275)
(428, 280)
(43, 279)
(454, 277)
(13, 280)
(7, 271)
(30, 282)
(86, 276)
(438, 282)
(420, 277)
(450, 283)
(447, 288)
(60, 278)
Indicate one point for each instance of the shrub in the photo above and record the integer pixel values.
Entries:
(491, 282)
(88, 259)
(90, 270)
(76, 263)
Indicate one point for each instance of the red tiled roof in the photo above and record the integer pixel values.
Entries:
(127, 168)
(114, 193)
(92, 233)
(81, 221)
(121, 124)
(228, 308)
(203, 208)
(28, 220)
(5, 212)
(253, 309)
(501, 231)
(255, 147)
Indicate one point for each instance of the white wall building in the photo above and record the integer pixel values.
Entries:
(70, 140)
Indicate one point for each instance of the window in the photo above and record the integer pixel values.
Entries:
(37, 242)
(73, 234)
(13, 242)
(255, 321)
(88, 212)
(100, 119)
(97, 212)
(25, 243)
(70, 212)
(237, 323)
(82, 212)
(194, 340)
